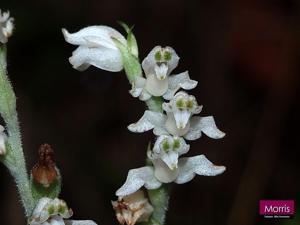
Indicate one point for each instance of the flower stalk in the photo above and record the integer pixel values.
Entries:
(14, 159)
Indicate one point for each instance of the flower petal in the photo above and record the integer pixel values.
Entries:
(190, 166)
(55, 220)
(99, 35)
(161, 71)
(103, 58)
(137, 87)
(155, 86)
(80, 222)
(148, 121)
(170, 159)
(138, 178)
(203, 124)
(178, 81)
(182, 118)
(184, 147)
(171, 126)
(163, 173)
(39, 214)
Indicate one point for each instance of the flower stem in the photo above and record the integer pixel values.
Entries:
(14, 160)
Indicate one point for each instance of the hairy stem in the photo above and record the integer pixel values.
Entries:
(15, 160)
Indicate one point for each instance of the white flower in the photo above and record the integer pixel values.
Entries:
(6, 26)
(158, 82)
(3, 138)
(179, 120)
(54, 212)
(133, 208)
(168, 149)
(152, 177)
(96, 47)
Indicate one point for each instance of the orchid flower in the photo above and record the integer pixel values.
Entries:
(157, 66)
(2, 141)
(6, 26)
(152, 177)
(96, 47)
(179, 120)
(133, 208)
(168, 149)
(54, 212)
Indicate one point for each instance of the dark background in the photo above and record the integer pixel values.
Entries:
(245, 55)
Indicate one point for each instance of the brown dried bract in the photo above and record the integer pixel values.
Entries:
(44, 172)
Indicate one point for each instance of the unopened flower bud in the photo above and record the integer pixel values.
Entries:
(45, 172)
(132, 208)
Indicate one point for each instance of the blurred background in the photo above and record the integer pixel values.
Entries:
(245, 55)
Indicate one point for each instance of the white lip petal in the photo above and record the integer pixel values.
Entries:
(103, 58)
(171, 126)
(155, 86)
(178, 81)
(161, 71)
(190, 166)
(203, 124)
(181, 118)
(102, 35)
(163, 173)
(80, 222)
(170, 159)
(149, 120)
(138, 178)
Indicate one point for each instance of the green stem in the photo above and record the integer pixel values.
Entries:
(16, 160)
